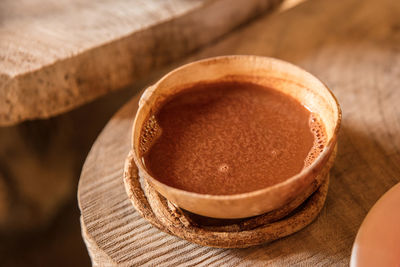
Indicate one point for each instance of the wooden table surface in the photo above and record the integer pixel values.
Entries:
(57, 55)
(354, 47)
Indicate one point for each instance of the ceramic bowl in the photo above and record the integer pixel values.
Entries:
(269, 72)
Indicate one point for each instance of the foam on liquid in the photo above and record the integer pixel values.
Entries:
(230, 137)
(318, 130)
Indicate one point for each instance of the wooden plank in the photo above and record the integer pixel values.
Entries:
(56, 55)
(354, 48)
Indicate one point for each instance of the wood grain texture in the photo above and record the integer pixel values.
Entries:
(56, 55)
(355, 48)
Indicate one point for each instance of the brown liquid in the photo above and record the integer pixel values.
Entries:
(232, 137)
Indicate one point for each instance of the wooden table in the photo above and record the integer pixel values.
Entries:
(354, 47)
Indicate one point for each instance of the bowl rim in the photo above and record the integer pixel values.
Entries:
(305, 172)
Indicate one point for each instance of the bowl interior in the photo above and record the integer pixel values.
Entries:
(273, 73)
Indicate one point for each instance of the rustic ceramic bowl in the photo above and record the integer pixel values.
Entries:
(269, 72)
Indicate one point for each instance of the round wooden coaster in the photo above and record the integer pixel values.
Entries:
(223, 233)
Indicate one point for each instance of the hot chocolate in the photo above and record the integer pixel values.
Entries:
(232, 137)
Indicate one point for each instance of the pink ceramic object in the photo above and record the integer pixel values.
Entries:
(378, 239)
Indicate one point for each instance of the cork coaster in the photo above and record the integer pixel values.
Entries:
(238, 233)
